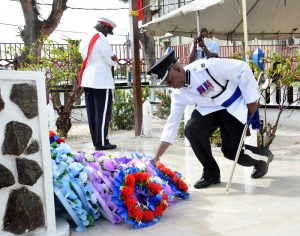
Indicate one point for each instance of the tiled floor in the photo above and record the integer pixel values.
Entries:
(268, 206)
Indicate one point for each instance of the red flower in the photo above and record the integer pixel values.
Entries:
(158, 211)
(141, 177)
(165, 197)
(130, 203)
(51, 134)
(134, 211)
(165, 170)
(154, 188)
(131, 213)
(175, 179)
(298, 77)
(163, 205)
(159, 165)
(148, 216)
(170, 173)
(130, 181)
(126, 193)
(182, 185)
(138, 214)
(60, 140)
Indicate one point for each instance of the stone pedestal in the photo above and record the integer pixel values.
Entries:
(26, 186)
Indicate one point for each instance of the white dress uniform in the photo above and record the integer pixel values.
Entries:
(220, 89)
(97, 73)
(98, 83)
(237, 73)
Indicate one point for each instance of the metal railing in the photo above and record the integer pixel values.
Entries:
(9, 50)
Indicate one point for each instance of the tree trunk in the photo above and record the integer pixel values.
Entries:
(63, 122)
(148, 41)
(35, 31)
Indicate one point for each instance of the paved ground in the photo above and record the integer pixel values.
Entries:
(269, 206)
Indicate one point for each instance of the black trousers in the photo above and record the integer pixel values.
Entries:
(99, 109)
(198, 130)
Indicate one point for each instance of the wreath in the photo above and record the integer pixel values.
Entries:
(174, 180)
(141, 201)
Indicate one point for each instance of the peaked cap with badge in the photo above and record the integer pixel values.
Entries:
(109, 23)
(163, 65)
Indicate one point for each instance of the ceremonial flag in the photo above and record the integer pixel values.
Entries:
(140, 6)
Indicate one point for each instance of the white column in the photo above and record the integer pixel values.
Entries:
(283, 95)
(147, 119)
(296, 93)
(62, 98)
(152, 94)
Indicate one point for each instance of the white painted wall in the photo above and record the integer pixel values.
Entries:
(39, 126)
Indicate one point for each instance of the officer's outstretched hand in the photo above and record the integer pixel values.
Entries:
(254, 120)
(155, 160)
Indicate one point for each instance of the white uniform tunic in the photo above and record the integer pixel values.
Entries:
(97, 73)
(238, 74)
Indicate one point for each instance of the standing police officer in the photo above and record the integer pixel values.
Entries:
(98, 82)
(225, 92)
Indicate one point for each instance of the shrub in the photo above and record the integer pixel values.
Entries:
(123, 108)
(165, 105)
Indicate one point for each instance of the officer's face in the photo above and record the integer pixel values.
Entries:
(175, 78)
(106, 30)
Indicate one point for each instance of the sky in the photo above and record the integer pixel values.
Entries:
(80, 21)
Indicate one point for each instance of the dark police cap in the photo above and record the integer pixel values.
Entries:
(163, 65)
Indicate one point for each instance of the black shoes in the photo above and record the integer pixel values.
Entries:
(106, 147)
(204, 183)
(262, 167)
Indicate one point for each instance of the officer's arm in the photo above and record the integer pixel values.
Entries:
(193, 50)
(107, 53)
(252, 108)
(179, 101)
(208, 53)
(163, 146)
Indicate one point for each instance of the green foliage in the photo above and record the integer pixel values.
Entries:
(255, 68)
(286, 68)
(180, 133)
(145, 93)
(237, 56)
(61, 65)
(284, 72)
(215, 138)
(123, 108)
(164, 106)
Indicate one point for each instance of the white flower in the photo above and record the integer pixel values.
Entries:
(140, 165)
(93, 199)
(83, 177)
(89, 157)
